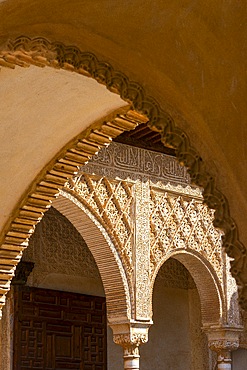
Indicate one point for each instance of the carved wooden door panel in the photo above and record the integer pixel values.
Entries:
(59, 330)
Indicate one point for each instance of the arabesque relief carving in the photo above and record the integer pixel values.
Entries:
(24, 51)
(142, 250)
(111, 201)
(127, 161)
(147, 222)
(130, 339)
(223, 345)
(57, 247)
(183, 223)
(174, 275)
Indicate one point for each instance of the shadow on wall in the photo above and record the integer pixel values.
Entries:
(239, 359)
(176, 341)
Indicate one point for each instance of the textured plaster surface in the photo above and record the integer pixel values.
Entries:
(41, 111)
(169, 341)
(239, 359)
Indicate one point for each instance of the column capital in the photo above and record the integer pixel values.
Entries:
(223, 340)
(130, 336)
(132, 333)
(131, 339)
(219, 345)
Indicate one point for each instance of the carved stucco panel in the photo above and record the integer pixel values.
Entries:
(57, 247)
(111, 201)
(142, 251)
(231, 292)
(169, 213)
(174, 275)
(127, 162)
(179, 222)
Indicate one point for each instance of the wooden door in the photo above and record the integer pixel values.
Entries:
(59, 330)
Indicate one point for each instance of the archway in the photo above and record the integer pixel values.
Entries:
(64, 270)
(176, 340)
(209, 289)
(102, 248)
(187, 299)
(25, 51)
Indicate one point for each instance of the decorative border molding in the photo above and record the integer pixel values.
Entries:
(25, 51)
(125, 161)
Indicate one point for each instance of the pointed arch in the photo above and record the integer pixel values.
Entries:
(112, 272)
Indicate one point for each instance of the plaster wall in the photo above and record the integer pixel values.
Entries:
(239, 359)
(189, 55)
(42, 110)
(169, 342)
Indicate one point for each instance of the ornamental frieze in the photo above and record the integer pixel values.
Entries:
(126, 161)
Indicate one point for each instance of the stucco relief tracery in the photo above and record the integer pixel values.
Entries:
(57, 247)
(174, 275)
(111, 201)
(156, 218)
(125, 161)
(180, 223)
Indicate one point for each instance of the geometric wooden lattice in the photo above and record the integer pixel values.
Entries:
(59, 330)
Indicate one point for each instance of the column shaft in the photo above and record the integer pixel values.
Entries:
(131, 362)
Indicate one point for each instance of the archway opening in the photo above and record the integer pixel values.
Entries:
(176, 338)
(58, 317)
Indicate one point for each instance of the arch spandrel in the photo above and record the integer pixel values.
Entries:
(25, 51)
(181, 222)
(111, 202)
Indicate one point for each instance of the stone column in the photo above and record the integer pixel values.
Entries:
(223, 348)
(223, 342)
(130, 352)
(130, 337)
